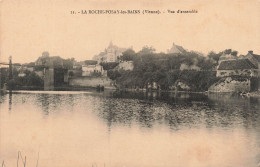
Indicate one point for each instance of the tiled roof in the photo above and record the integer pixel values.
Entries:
(257, 57)
(90, 62)
(238, 64)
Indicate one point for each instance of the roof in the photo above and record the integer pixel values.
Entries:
(176, 49)
(89, 66)
(225, 56)
(257, 57)
(90, 62)
(238, 64)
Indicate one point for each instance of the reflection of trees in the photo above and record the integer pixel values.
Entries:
(51, 102)
(235, 110)
(43, 101)
(10, 100)
(178, 110)
(115, 112)
(2, 97)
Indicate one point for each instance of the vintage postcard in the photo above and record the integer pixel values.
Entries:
(129, 83)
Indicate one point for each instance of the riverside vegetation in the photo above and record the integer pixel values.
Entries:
(192, 68)
(165, 69)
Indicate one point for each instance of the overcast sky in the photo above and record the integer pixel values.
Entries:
(29, 27)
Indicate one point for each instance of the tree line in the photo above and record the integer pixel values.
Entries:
(167, 69)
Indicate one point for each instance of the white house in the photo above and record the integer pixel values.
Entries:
(88, 70)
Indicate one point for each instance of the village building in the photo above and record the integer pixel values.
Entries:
(176, 49)
(89, 70)
(253, 58)
(225, 57)
(111, 54)
(125, 65)
(239, 67)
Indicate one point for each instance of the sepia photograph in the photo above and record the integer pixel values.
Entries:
(129, 83)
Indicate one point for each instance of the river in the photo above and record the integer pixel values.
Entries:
(123, 129)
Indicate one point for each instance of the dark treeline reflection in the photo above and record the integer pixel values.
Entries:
(147, 109)
(179, 109)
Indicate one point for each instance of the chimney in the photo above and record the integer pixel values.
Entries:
(250, 51)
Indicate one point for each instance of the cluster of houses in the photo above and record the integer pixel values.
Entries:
(239, 74)
(229, 64)
(60, 72)
(111, 54)
(244, 66)
(80, 69)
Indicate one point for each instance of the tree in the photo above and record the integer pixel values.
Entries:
(68, 63)
(146, 50)
(228, 51)
(109, 66)
(234, 53)
(45, 54)
(128, 55)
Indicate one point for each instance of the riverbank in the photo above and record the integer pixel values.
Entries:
(63, 88)
(156, 90)
(249, 94)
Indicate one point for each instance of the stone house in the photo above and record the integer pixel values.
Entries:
(239, 67)
(126, 65)
(88, 70)
(253, 58)
(111, 54)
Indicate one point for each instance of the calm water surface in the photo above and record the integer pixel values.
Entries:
(115, 129)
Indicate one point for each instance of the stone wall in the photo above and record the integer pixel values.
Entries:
(231, 85)
(90, 81)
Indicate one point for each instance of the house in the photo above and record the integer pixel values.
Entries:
(111, 54)
(253, 58)
(89, 70)
(176, 49)
(225, 57)
(239, 67)
(126, 65)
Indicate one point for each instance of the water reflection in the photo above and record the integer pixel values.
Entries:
(10, 101)
(130, 128)
(180, 110)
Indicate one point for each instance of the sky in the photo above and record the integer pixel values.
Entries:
(29, 27)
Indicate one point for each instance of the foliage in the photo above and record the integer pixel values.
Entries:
(68, 63)
(31, 79)
(164, 69)
(90, 62)
(96, 74)
(128, 55)
(109, 66)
